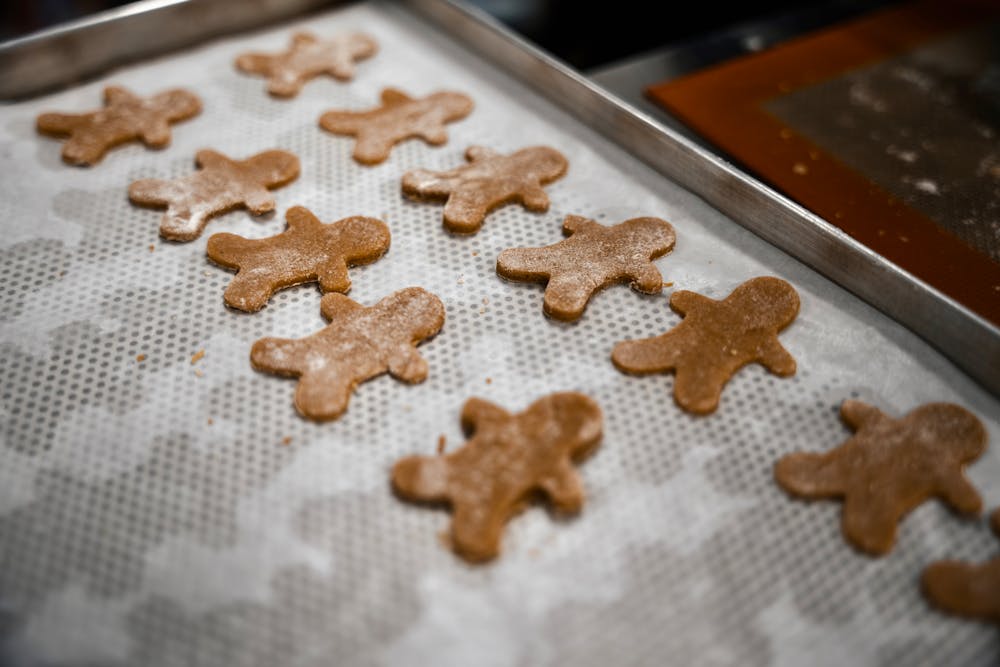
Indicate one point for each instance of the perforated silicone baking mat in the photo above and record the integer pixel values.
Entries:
(164, 512)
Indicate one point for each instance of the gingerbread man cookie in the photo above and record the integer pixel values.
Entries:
(715, 340)
(220, 185)
(593, 257)
(507, 458)
(489, 180)
(360, 343)
(889, 467)
(400, 117)
(306, 251)
(966, 589)
(308, 57)
(125, 117)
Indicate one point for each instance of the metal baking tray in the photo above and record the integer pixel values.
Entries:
(176, 510)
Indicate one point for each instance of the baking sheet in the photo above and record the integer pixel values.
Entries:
(149, 515)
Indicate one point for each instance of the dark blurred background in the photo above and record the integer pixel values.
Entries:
(585, 34)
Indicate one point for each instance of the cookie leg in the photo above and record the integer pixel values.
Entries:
(563, 487)
(84, 148)
(372, 148)
(465, 212)
(183, 223)
(323, 395)
(156, 134)
(868, 524)
(421, 478)
(566, 296)
(476, 531)
(284, 83)
(249, 291)
(698, 391)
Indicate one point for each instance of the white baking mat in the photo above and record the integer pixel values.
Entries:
(150, 513)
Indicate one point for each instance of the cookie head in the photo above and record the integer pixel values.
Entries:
(780, 298)
(577, 417)
(274, 167)
(418, 311)
(453, 105)
(181, 103)
(950, 428)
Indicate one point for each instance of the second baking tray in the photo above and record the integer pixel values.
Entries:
(164, 512)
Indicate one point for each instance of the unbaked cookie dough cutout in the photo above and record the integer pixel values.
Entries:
(307, 251)
(593, 257)
(307, 57)
(507, 458)
(715, 340)
(221, 184)
(397, 118)
(890, 467)
(358, 344)
(489, 181)
(125, 117)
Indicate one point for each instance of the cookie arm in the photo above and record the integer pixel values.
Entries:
(337, 307)
(563, 487)
(341, 122)
(478, 153)
(119, 95)
(477, 412)
(150, 191)
(856, 413)
(525, 263)
(58, 123)
(276, 355)
(810, 475)
(647, 355)
(425, 183)
(255, 63)
(776, 358)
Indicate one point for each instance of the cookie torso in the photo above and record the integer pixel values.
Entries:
(125, 117)
(593, 257)
(358, 344)
(307, 250)
(489, 180)
(507, 458)
(889, 467)
(716, 339)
